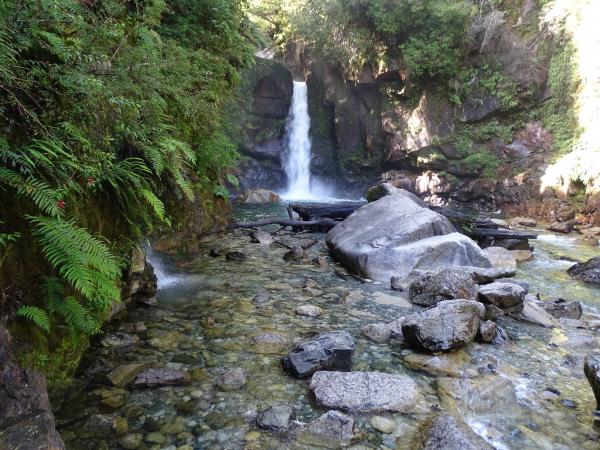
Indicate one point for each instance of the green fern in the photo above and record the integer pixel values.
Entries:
(82, 259)
(39, 192)
(76, 315)
(36, 315)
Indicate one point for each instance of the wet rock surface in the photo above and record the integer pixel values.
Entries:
(276, 418)
(506, 296)
(161, 377)
(329, 351)
(433, 287)
(588, 271)
(364, 391)
(447, 326)
(591, 368)
(559, 308)
(446, 432)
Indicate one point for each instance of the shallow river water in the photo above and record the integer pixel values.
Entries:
(528, 394)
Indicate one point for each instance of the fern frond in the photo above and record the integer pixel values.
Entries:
(157, 205)
(38, 191)
(77, 316)
(36, 315)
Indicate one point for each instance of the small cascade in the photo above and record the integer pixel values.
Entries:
(164, 276)
(296, 163)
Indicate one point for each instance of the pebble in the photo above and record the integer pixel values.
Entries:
(383, 424)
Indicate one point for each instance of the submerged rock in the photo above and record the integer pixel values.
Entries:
(377, 332)
(447, 432)
(487, 331)
(119, 339)
(308, 310)
(329, 351)
(333, 430)
(383, 424)
(430, 288)
(162, 377)
(506, 296)
(235, 256)
(591, 368)
(364, 391)
(276, 418)
(231, 379)
(261, 237)
(561, 308)
(536, 314)
(296, 254)
(436, 365)
(588, 271)
(447, 326)
(395, 235)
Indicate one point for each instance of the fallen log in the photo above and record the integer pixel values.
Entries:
(324, 224)
(503, 233)
(338, 211)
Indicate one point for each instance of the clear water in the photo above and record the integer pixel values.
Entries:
(208, 322)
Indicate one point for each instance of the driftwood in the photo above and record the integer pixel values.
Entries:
(338, 211)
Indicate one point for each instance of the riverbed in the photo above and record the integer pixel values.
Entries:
(213, 315)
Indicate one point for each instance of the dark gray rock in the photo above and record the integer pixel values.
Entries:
(235, 256)
(26, 419)
(487, 331)
(588, 271)
(562, 227)
(492, 312)
(397, 284)
(447, 432)
(431, 288)
(377, 332)
(296, 254)
(447, 326)
(364, 391)
(394, 235)
(276, 418)
(524, 284)
(561, 308)
(479, 107)
(161, 377)
(329, 351)
(261, 237)
(591, 368)
(501, 337)
(506, 296)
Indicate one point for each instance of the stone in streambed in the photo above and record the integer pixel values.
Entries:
(430, 288)
(561, 227)
(261, 237)
(276, 418)
(591, 368)
(506, 296)
(447, 432)
(522, 255)
(447, 326)
(437, 365)
(124, 374)
(383, 424)
(230, 379)
(331, 430)
(235, 256)
(536, 314)
(259, 196)
(395, 235)
(364, 391)
(377, 332)
(588, 271)
(561, 308)
(161, 377)
(131, 441)
(309, 310)
(119, 339)
(487, 331)
(482, 275)
(501, 258)
(328, 351)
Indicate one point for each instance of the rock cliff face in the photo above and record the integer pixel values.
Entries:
(488, 140)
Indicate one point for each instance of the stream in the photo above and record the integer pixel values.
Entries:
(217, 314)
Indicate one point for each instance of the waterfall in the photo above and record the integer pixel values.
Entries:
(296, 160)
(164, 276)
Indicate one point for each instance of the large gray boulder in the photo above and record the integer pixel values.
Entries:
(446, 432)
(394, 236)
(364, 391)
(430, 288)
(588, 271)
(559, 308)
(447, 326)
(591, 368)
(329, 351)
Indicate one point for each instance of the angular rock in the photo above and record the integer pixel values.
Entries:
(122, 375)
(276, 418)
(483, 275)
(119, 339)
(562, 227)
(492, 312)
(377, 332)
(235, 256)
(261, 237)
(394, 235)
(329, 351)
(447, 432)
(487, 331)
(447, 326)
(162, 377)
(397, 284)
(259, 196)
(591, 368)
(501, 258)
(561, 308)
(308, 310)
(364, 391)
(430, 288)
(231, 379)
(436, 365)
(588, 271)
(506, 296)
(332, 430)
(296, 254)
(383, 424)
(522, 255)
(501, 337)
(536, 314)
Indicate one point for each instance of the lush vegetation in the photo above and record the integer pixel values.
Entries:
(109, 110)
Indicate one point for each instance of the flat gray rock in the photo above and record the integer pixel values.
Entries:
(276, 418)
(364, 391)
(331, 430)
(506, 296)
(162, 377)
(430, 288)
(446, 432)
